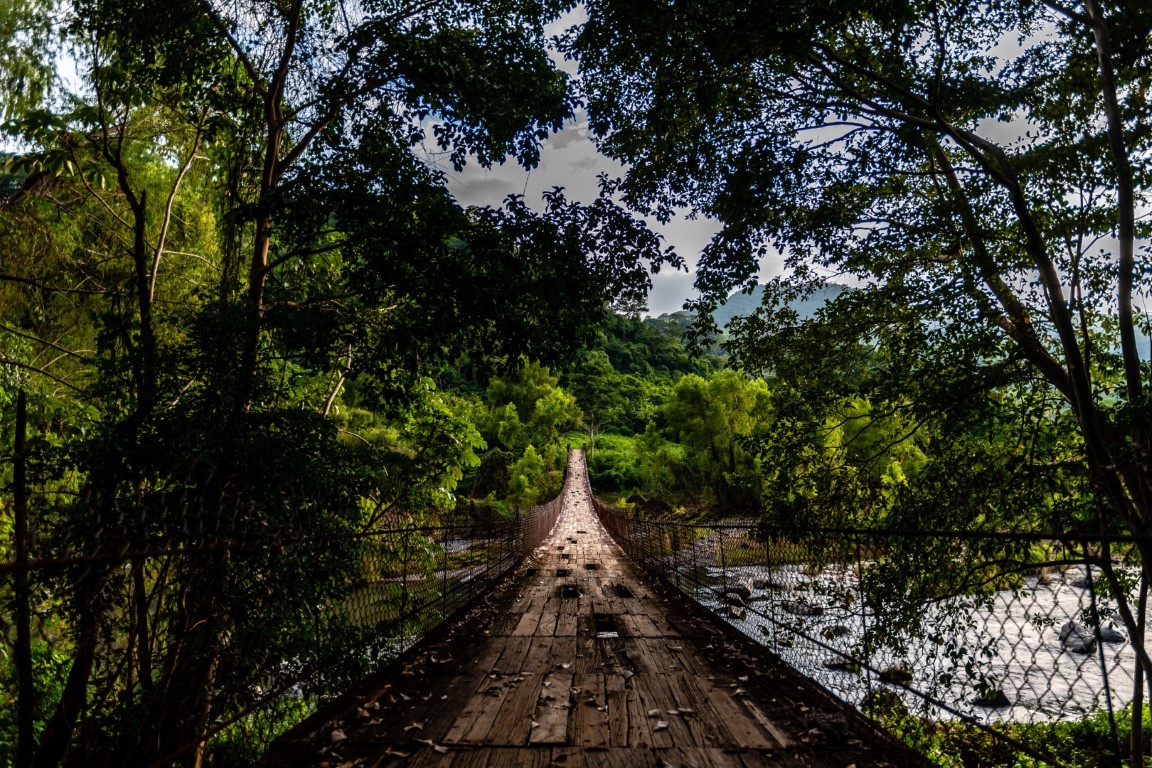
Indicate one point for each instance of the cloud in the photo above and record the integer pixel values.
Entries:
(584, 164)
(484, 190)
(573, 133)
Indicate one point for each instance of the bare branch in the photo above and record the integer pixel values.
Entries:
(166, 223)
(41, 371)
(45, 342)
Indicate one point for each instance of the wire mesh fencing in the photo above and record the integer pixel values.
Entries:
(204, 650)
(979, 649)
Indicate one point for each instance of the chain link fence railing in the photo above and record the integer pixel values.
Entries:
(978, 649)
(263, 620)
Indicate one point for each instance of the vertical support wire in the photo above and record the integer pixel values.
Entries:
(696, 580)
(404, 597)
(723, 561)
(22, 594)
(447, 608)
(1105, 552)
(866, 644)
(1136, 736)
(773, 594)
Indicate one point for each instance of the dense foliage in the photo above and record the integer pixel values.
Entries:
(244, 306)
(230, 276)
(977, 171)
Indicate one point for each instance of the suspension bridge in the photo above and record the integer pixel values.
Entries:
(577, 659)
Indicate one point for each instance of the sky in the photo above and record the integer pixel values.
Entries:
(570, 159)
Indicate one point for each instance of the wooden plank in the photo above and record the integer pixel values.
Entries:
(654, 697)
(438, 714)
(422, 757)
(475, 720)
(511, 725)
(641, 625)
(564, 651)
(488, 653)
(686, 730)
(660, 655)
(588, 655)
(782, 759)
(512, 658)
(616, 699)
(571, 757)
(566, 624)
(767, 724)
(553, 710)
(639, 722)
(538, 659)
(616, 758)
(546, 627)
(701, 757)
(687, 692)
(746, 732)
(590, 712)
(530, 620)
(519, 757)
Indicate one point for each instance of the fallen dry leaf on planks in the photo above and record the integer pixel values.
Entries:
(435, 747)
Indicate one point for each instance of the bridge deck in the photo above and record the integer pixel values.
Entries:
(580, 661)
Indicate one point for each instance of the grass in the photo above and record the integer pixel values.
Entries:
(1085, 742)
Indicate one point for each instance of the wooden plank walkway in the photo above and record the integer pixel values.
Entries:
(581, 662)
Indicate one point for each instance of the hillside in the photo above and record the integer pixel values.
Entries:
(745, 303)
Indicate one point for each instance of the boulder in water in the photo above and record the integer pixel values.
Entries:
(1077, 638)
(992, 698)
(842, 665)
(835, 631)
(801, 608)
(1110, 635)
(768, 584)
(739, 591)
(897, 674)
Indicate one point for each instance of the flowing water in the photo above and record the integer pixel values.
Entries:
(1011, 644)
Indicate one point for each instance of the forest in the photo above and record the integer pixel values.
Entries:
(239, 305)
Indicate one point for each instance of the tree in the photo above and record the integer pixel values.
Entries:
(527, 476)
(209, 244)
(713, 419)
(976, 167)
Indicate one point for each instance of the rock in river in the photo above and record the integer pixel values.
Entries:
(801, 608)
(740, 590)
(1109, 635)
(1077, 638)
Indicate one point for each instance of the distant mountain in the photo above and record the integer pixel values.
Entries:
(746, 303)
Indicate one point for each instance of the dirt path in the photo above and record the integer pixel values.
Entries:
(578, 661)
